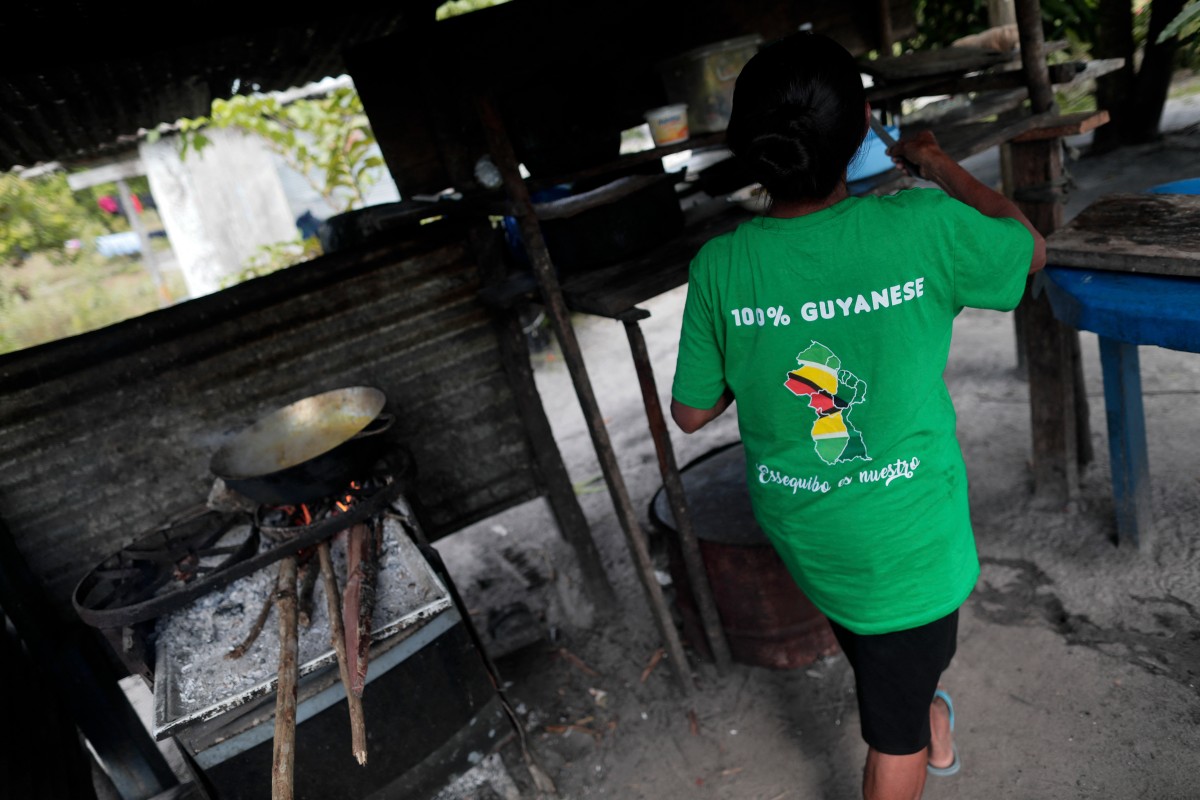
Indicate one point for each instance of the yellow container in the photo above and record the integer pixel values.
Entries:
(668, 124)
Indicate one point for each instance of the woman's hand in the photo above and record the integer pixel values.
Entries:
(934, 165)
(922, 152)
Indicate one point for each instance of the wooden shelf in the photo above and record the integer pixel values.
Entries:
(615, 290)
(702, 141)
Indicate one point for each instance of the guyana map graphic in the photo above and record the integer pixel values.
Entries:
(832, 392)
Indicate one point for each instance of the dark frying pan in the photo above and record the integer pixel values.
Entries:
(307, 450)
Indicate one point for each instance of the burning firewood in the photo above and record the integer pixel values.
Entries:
(359, 602)
(284, 756)
(337, 632)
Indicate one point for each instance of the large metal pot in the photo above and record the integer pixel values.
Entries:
(307, 450)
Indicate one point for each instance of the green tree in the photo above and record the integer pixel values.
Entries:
(327, 139)
(1134, 96)
(40, 214)
(940, 22)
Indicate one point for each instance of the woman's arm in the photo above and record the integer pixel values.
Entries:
(691, 419)
(934, 165)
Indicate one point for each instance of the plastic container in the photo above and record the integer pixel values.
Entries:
(668, 124)
(872, 158)
(703, 78)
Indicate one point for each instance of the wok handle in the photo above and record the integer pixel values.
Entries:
(378, 425)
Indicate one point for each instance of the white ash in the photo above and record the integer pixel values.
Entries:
(194, 641)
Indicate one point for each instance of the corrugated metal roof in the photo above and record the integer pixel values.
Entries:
(83, 78)
(79, 79)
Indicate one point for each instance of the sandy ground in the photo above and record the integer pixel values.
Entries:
(1076, 670)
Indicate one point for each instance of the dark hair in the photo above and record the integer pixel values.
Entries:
(798, 116)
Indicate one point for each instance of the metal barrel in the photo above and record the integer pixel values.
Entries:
(767, 619)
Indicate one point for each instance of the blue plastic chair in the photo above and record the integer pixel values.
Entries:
(1126, 310)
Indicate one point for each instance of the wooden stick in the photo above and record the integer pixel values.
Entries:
(255, 630)
(308, 582)
(359, 603)
(283, 764)
(333, 600)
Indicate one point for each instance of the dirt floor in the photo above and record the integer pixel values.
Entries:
(1077, 663)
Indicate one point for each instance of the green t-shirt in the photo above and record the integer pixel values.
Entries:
(832, 330)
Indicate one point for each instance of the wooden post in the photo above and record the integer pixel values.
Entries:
(1033, 55)
(1001, 12)
(543, 269)
(560, 492)
(148, 257)
(689, 545)
(284, 746)
(887, 36)
(434, 155)
(1058, 409)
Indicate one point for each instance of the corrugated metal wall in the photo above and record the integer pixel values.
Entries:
(104, 436)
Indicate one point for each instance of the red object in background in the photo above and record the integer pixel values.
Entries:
(110, 204)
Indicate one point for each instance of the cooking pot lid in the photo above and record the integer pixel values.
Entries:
(298, 432)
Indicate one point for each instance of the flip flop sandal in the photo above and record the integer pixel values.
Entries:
(956, 764)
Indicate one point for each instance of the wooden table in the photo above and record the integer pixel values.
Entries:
(1127, 268)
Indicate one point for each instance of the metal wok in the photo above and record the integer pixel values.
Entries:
(307, 450)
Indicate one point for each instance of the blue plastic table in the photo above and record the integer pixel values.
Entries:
(1126, 310)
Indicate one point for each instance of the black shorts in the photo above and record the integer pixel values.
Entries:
(895, 676)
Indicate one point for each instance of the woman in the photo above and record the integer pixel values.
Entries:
(829, 320)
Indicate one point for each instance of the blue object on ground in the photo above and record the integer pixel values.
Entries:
(872, 158)
(1126, 310)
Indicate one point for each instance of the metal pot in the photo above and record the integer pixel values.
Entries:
(307, 450)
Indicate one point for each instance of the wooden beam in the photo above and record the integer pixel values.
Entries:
(106, 173)
(1059, 75)
(1066, 125)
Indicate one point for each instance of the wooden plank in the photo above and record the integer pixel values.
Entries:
(926, 63)
(1157, 234)
(996, 80)
(1066, 125)
(704, 141)
(965, 140)
(108, 173)
(961, 110)
(608, 193)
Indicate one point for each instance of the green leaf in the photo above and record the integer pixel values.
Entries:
(1188, 16)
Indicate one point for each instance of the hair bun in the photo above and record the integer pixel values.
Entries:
(778, 152)
(798, 116)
